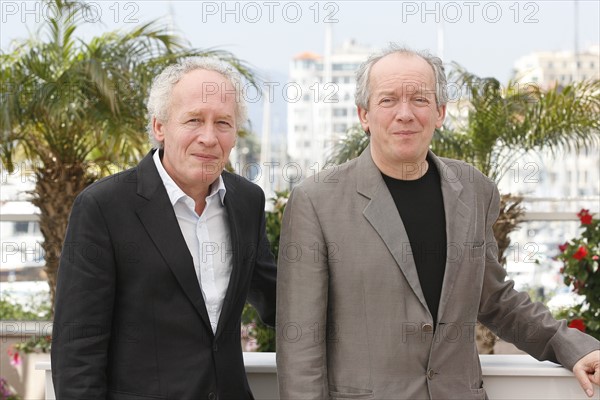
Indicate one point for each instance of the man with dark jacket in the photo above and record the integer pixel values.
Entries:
(158, 260)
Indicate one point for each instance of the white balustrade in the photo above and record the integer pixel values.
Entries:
(505, 377)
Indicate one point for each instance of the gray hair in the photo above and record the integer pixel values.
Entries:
(159, 99)
(363, 94)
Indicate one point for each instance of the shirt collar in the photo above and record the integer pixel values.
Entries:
(174, 191)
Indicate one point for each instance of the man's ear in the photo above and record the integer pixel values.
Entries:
(363, 117)
(441, 115)
(158, 129)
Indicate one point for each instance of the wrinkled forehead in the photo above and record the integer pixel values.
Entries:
(407, 72)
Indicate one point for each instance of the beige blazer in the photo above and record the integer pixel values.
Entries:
(351, 316)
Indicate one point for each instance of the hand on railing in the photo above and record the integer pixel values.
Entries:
(587, 371)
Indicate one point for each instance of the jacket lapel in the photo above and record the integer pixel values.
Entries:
(235, 218)
(160, 222)
(382, 214)
(458, 219)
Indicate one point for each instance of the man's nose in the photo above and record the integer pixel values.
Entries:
(207, 135)
(404, 111)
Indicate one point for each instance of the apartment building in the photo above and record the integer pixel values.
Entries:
(325, 109)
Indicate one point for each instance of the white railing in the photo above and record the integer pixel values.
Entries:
(505, 377)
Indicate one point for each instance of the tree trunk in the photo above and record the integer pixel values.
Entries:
(508, 221)
(56, 187)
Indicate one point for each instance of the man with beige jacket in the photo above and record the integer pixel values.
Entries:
(388, 261)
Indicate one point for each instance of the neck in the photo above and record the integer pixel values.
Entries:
(198, 195)
(198, 190)
(406, 171)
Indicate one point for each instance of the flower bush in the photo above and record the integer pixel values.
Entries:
(37, 310)
(35, 344)
(6, 392)
(580, 257)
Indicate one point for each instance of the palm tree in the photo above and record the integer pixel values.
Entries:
(76, 110)
(503, 124)
(498, 126)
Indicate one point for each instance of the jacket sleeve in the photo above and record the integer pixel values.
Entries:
(516, 319)
(302, 303)
(263, 287)
(84, 305)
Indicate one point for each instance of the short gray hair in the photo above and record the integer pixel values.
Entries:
(363, 94)
(159, 99)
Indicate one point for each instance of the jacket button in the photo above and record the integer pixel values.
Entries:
(215, 347)
(212, 396)
(430, 374)
(427, 328)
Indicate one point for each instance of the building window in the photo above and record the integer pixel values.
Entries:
(340, 112)
(345, 67)
(21, 227)
(339, 128)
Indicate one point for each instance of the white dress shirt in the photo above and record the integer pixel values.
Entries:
(207, 237)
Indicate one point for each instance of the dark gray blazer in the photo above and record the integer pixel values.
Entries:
(130, 319)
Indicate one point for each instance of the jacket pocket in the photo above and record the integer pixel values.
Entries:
(479, 394)
(117, 395)
(345, 392)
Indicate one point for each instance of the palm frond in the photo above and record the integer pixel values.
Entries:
(350, 146)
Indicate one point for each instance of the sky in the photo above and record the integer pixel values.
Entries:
(485, 37)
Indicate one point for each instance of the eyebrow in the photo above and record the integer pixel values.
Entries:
(385, 92)
(195, 113)
(418, 91)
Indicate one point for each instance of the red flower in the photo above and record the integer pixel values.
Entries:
(595, 258)
(15, 358)
(580, 253)
(563, 247)
(585, 217)
(577, 324)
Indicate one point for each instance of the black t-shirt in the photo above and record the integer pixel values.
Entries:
(421, 207)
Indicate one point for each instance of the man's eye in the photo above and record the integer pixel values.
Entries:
(193, 120)
(224, 123)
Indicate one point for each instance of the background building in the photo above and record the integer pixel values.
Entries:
(549, 69)
(325, 110)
